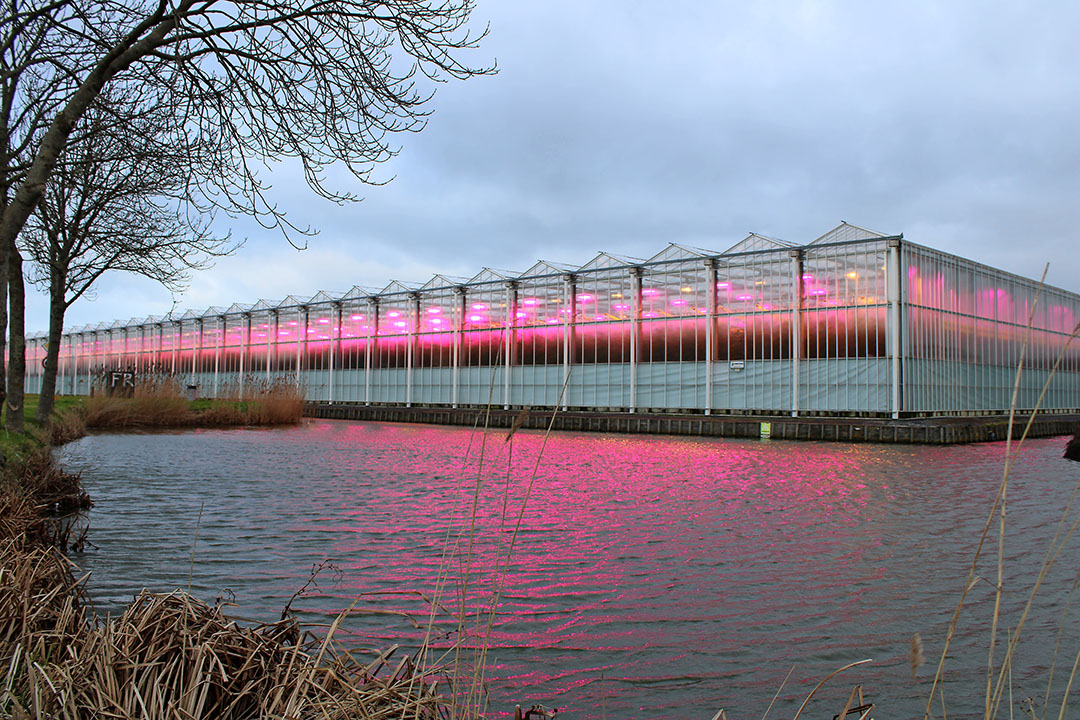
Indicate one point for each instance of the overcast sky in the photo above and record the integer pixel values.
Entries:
(621, 126)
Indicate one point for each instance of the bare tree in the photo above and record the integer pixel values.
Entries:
(33, 89)
(321, 81)
(115, 203)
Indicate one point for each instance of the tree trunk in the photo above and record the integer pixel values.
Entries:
(17, 347)
(3, 332)
(57, 307)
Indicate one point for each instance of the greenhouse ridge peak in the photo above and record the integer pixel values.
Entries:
(753, 241)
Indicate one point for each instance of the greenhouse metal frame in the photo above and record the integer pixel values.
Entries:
(854, 323)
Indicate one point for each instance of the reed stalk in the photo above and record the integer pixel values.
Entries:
(994, 689)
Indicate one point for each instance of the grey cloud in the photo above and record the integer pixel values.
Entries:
(624, 125)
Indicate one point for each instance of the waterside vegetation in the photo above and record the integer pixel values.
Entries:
(160, 401)
(172, 656)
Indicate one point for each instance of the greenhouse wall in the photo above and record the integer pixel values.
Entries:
(967, 327)
(854, 323)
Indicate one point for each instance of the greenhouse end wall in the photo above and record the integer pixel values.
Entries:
(853, 324)
(967, 328)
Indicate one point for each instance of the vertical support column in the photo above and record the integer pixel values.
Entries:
(369, 346)
(335, 332)
(101, 358)
(73, 369)
(218, 351)
(303, 316)
(635, 332)
(508, 349)
(892, 268)
(271, 343)
(140, 348)
(245, 351)
(711, 278)
(569, 312)
(91, 357)
(456, 350)
(80, 354)
(157, 347)
(177, 329)
(196, 351)
(410, 346)
(88, 355)
(796, 325)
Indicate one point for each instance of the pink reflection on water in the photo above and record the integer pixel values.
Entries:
(651, 576)
(608, 559)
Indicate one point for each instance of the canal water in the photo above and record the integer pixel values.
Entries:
(635, 576)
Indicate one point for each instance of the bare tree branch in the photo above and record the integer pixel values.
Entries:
(248, 82)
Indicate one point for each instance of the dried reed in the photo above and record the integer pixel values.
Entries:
(172, 656)
(159, 400)
(35, 495)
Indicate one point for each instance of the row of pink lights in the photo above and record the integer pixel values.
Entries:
(443, 340)
(476, 318)
(650, 294)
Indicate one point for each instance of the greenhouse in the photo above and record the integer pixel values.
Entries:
(853, 323)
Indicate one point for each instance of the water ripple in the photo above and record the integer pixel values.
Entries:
(650, 577)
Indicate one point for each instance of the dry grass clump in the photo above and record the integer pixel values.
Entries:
(66, 427)
(260, 403)
(160, 401)
(171, 656)
(34, 492)
(156, 401)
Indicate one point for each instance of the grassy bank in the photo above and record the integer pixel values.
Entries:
(33, 490)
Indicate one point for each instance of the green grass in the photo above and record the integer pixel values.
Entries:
(206, 404)
(17, 445)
